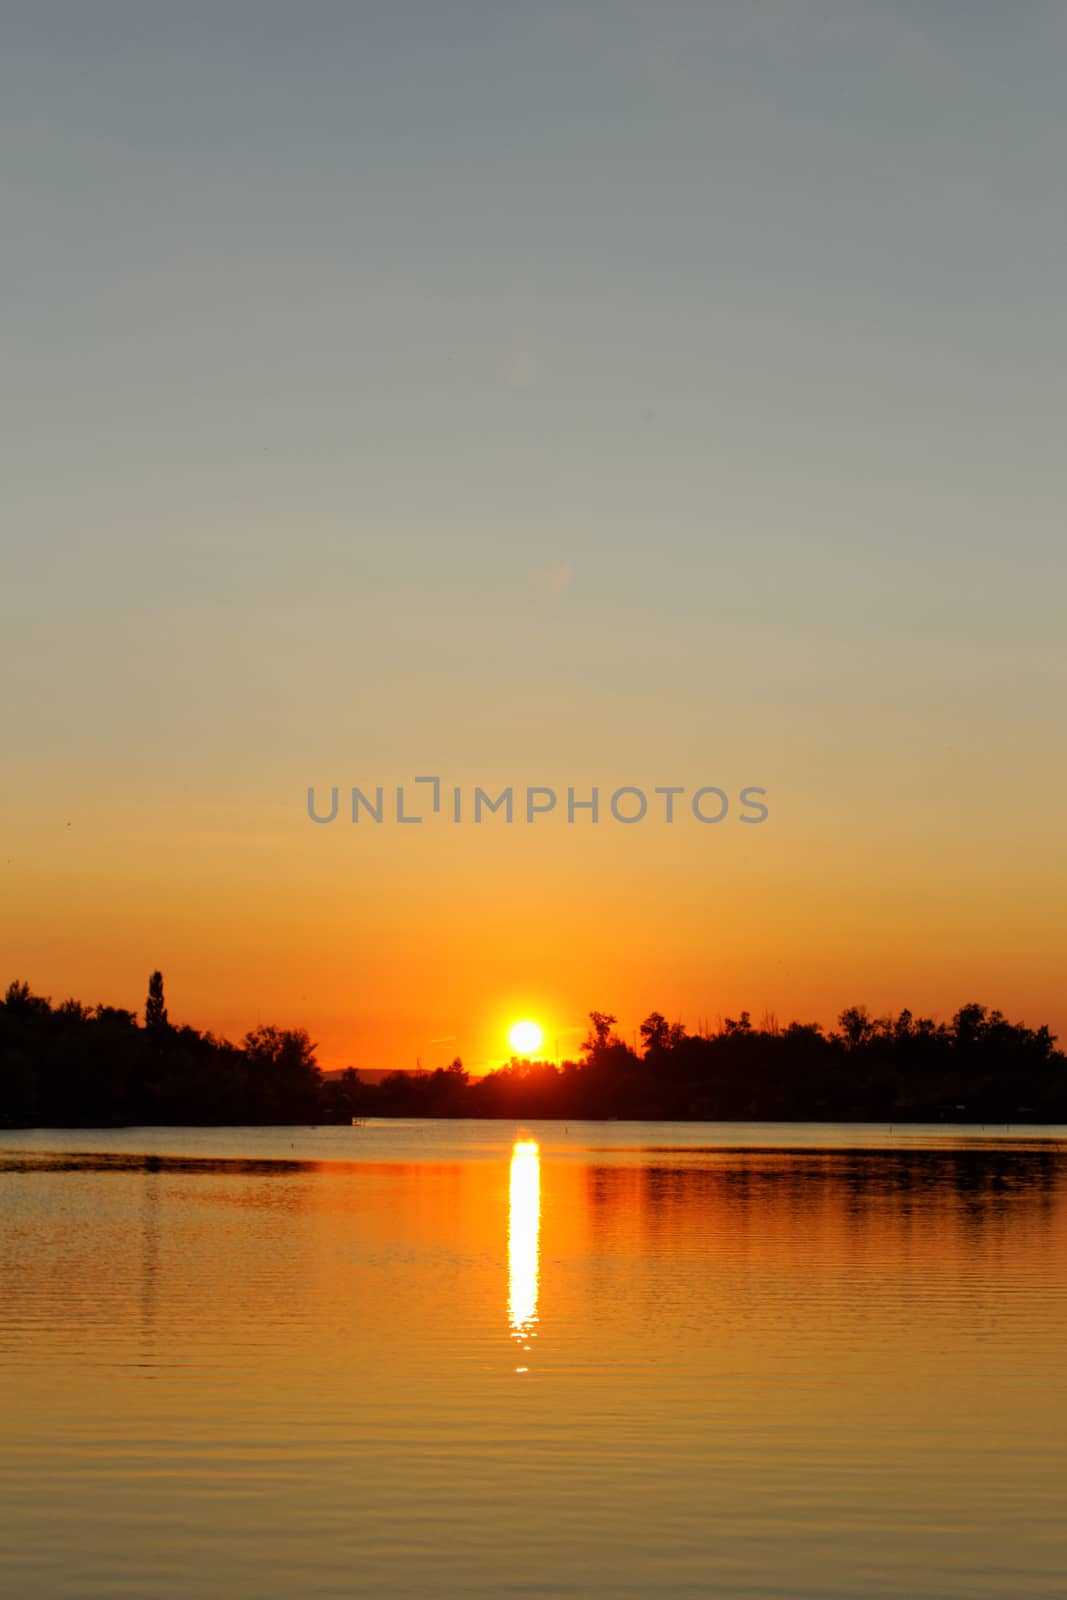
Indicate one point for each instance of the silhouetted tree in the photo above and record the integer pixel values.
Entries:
(659, 1034)
(283, 1073)
(75, 1065)
(599, 1035)
(856, 1026)
(655, 1031)
(155, 1011)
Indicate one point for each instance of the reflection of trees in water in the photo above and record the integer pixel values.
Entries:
(154, 1249)
(980, 1189)
(150, 1231)
(833, 1251)
(119, 1161)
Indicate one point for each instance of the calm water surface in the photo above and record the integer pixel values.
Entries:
(467, 1359)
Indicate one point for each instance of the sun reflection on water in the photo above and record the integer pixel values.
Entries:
(524, 1240)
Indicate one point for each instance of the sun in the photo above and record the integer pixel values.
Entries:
(525, 1038)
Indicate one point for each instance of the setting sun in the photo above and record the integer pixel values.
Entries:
(525, 1038)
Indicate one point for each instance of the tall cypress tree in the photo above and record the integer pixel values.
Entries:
(155, 1011)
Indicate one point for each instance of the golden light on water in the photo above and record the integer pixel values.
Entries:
(524, 1240)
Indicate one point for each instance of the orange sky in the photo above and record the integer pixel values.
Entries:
(394, 944)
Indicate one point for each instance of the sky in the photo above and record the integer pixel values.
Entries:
(566, 395)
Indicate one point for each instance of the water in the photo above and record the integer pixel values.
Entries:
(464, 1359)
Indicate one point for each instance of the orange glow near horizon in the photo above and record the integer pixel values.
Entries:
(401, 945)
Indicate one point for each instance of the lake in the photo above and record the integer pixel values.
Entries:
(470, 1359)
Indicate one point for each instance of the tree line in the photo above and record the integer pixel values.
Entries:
(71, 1065)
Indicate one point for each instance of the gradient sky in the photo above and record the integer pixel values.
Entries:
(588, 393)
